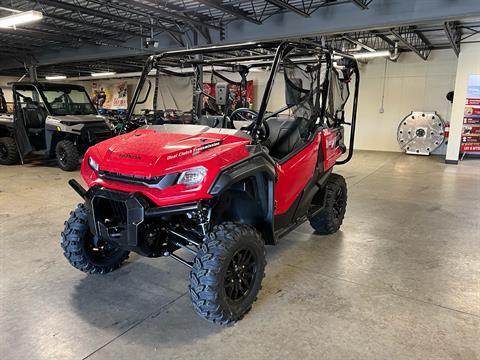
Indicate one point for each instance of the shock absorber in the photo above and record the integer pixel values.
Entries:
(204, 218)
(201, 216)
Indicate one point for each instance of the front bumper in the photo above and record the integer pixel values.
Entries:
(119, 217)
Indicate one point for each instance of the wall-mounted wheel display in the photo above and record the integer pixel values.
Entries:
(420, 133)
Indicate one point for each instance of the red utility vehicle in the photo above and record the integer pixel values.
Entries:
(226, 181)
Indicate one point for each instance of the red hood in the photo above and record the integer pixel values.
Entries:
(158, 149)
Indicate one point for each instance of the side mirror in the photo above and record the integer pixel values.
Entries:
(147, 93)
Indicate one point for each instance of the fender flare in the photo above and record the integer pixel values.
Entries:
(260, 167)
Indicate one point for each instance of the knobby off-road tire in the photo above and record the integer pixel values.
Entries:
(78, 246)
(330, 218)
(67, 155)
(227, 273)
(8, 151)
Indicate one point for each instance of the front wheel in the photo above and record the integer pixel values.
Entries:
(8, 151)
(67, 155)
(227, 273)
(330, 218)
(83, 251)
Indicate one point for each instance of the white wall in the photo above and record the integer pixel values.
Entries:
(7, 89)
(411, 84)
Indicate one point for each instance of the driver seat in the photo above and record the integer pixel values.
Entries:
(286, 135)
(34, 117)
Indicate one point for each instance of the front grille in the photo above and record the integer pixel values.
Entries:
(119, 210)
(110, 211)
(129, 179)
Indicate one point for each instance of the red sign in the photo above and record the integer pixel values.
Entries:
(472, 102)
(471, 121)
(470, 148)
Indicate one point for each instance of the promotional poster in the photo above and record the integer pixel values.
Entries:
(112, 96)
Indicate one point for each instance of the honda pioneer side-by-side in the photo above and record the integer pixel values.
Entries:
(212, 191)
(58, 120)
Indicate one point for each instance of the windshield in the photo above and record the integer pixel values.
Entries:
(68, 101)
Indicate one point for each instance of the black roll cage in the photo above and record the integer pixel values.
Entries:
(282, 49)
(41, 87)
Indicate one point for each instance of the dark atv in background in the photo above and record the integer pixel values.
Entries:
(220, 187)
(58, 120)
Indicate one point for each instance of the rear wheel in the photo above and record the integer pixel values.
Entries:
(8, 151)
(227, 273)
(83, 251)
(67, 155)
(330, 218)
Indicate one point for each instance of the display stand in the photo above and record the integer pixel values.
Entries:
(470, 144)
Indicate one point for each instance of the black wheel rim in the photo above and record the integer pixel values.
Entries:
(339, 203)
(3, 151)
(62, 155)
(99, 253)
(240, 275)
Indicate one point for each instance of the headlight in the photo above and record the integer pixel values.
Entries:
(193, 176)
(93, 164)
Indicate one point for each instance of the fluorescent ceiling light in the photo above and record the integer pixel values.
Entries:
(20, 18)
(257, 70)
(55, 77)
(107, 73)
(372, 54)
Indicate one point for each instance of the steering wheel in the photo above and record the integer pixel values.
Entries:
(262, 132)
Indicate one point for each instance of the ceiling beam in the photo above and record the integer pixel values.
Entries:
(96, 26)
(369, 40)
(362, 4)
(100, 14)
(359, 43)
(453, 35)
(285, 5)
(62, 29)
(173, 14)
(50, 32)
(384, 38)
(37, 34)
(9, 42)
(413, 40)
(16, 51)
(238, 13)
(120, 7)
(284, 25)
